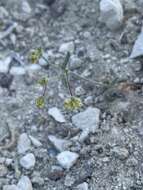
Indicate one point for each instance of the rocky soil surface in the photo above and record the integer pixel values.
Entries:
(99, 146)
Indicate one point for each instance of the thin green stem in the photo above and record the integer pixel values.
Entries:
(77, 75)
(68, 83)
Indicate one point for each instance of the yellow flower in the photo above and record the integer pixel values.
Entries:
(40, 102)
(43, 81)
(35, 55)
(72, 103)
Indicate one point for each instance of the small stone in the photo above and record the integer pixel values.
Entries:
(10, 187)
(24, 143)
(44, 62)
(26, 7)
(60, 144)
(13, 38)
(83, 186)
(58, 8)
(111, 13)
(35, 142)
(28, 161)
(37, 179)
(138, 47)
(79, 91)
(56, 174)
(24, 183)
(88, 100)
(67, 47)
(75, 62)
(8, 161)
(69, 180)
(121, 153)
(67, 159)
(33, 68)
(56, 114)
(4, 64)
(3, 13)
(20, 10)
(17, 71)
(3, 170)
(87, 120)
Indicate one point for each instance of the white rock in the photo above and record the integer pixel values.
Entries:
(8, 161)
(138, 46)
(24, 183)
(28, 161)
(87, 120)
(3, 170)
(83, 186)
(75, 62)
(79, 91)
(111, 13)
(33, 68)
(44, 62)
(60, 144)
(4, 64)
(24, 143)
(56, 114)
(18, 71)
(26, 7)
(20, 10)
(67, 159)
(3, 13)
(67, 47)
(35, 142)
(10, 187)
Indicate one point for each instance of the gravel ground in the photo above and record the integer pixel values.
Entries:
(99, 146)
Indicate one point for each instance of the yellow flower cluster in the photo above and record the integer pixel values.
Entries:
(35, 55)
(72, 103)
(43, 81)
(40, 102)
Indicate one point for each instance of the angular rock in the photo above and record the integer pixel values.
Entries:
(67, 47)
(56, 114)
(111, 13)
(3, 170)
(69, 180)
(58, 8)
(60, 144)
(121, 153)
(24, 183)
(138, 47)
(75, 62)
(35, 142)
(32, 68)
(3, 13)
(28, 161)
(20, 10)
(10, 187)
(18, 71)
(83, 186)
(67, 159)
(4, 64)
(24, 143)
(87, 120)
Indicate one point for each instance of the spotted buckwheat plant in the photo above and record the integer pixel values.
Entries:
(72, 102)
